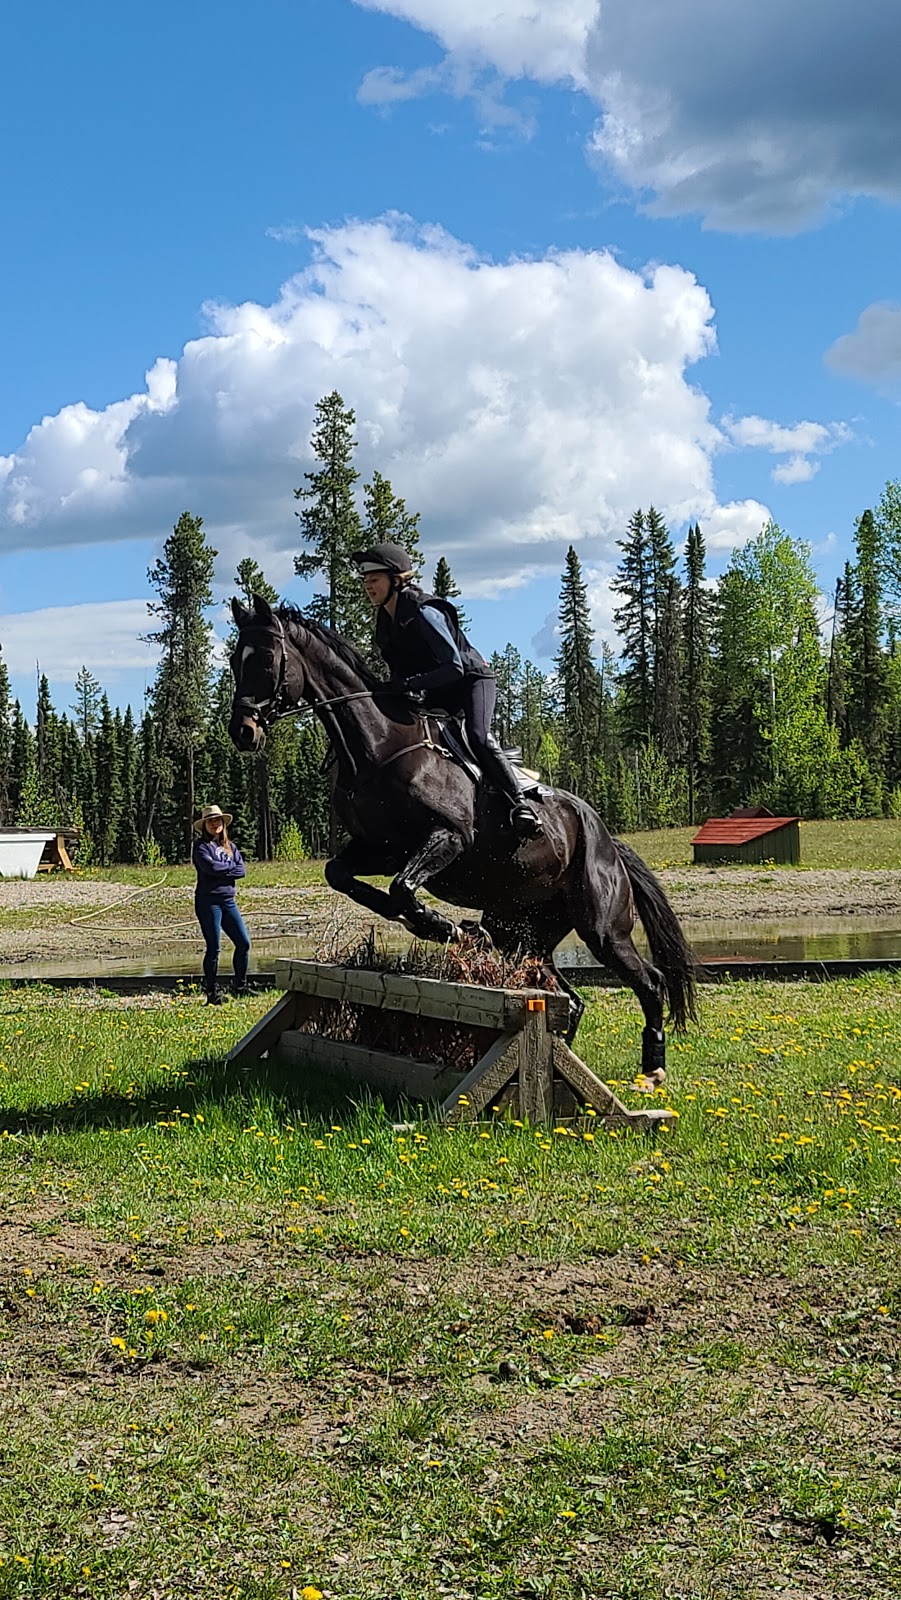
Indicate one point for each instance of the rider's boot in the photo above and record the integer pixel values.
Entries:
(498, 770)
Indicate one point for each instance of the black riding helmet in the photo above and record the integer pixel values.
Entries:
(390, 558)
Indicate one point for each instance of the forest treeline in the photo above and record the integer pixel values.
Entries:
(711, 694)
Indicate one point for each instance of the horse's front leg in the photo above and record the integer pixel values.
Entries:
(361, 856)
(440, 849)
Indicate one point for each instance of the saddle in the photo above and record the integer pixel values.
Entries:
(453, 741)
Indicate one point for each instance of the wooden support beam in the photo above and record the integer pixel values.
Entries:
(488, 1077)
(592, 1092)
(267, 1032)
(419, 1080)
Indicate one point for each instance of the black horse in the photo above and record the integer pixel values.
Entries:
(415, 814)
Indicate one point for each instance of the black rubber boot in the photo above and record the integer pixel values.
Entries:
(240, 990)
(498, 769)
(214, 995)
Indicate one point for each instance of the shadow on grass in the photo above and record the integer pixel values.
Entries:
(210, 1082)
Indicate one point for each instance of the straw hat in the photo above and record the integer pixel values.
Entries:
(211, 811)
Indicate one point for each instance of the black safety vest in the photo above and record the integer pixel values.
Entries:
(405, 643)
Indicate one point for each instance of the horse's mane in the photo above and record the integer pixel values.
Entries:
(335, 642)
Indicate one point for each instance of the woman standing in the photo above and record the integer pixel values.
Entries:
(219, 864)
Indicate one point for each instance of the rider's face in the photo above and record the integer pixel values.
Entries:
(377, 586)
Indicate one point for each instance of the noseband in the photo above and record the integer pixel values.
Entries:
(277, 706)
(273, 709)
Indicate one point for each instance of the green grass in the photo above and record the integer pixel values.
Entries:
(857, 846)
(252, 1339)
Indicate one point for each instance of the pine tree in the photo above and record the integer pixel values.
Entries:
(635, 625)
(108, 804)
(47, 750)
(837, 676)
(183, 579)
(86, 707)
(507, 668)
(126, 846)
(696, 670)
(529, 730)
(387, 520)
(867, 678)
(578, 681)
(6, 744)
(331, 527)
(444, 586)
(665, 628)
(252, 582)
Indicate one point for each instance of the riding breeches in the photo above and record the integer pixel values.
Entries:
(478, 702)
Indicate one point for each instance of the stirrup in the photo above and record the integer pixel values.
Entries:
(526, 821)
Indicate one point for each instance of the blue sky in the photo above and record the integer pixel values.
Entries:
(562, 264)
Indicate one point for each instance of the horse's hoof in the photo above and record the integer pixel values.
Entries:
(471, 928)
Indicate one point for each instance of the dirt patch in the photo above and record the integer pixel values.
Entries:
(307, 920)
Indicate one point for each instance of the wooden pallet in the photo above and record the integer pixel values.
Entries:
(525, 1068)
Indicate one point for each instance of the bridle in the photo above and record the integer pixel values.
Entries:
(267, 712)
(276, 707)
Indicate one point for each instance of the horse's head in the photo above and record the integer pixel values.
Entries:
(261, 670)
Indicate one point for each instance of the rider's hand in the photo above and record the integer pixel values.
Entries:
(400, 686)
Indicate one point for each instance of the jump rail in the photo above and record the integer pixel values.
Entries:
(523, 1064)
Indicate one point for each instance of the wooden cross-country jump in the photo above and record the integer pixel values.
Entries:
(524, 1066)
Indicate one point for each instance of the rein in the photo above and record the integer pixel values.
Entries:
(279, 712)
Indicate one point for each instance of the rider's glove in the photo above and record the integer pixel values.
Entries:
(401, 686)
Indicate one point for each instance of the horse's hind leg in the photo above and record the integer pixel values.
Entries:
(617, 952)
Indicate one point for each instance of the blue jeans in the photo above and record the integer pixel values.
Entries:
(216, 917)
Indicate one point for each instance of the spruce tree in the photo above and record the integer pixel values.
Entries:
(331, 527)
(386, 519)
(530, 727)
(635, 624)
(444, 586)
(86, 706)
(183, 578)
(47, 747)
(126, 846)
(665, 630)
(578, 677)
(507, 668)
(696, 670)
(837, 675)
(256, 788)
(108, 794)
(6, 743)
(867, 677)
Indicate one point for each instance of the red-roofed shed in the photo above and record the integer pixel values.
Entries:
(749, 839)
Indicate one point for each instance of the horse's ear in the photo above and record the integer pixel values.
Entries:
(241, 614)
(262, 611)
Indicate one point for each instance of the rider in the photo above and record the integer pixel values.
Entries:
(430, 658)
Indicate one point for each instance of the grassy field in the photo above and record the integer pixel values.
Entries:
(857, 845)
(258, 1344)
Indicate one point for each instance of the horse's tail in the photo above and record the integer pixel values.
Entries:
(669, 946)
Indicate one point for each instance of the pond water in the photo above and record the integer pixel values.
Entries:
(799, 939)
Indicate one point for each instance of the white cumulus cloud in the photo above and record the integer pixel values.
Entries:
(104, 636)
(755, 114)
(800, 443)
(520, 406)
